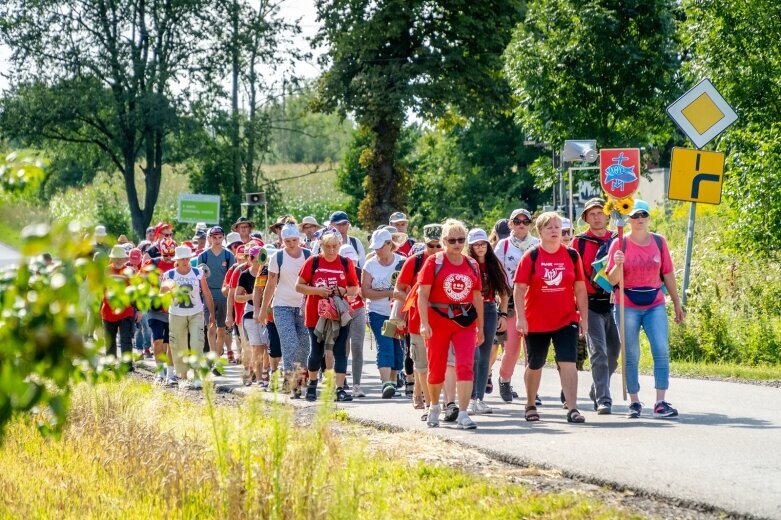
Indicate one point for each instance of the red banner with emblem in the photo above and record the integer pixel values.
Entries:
(619, 171)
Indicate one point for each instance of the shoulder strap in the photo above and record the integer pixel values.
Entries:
(196, 271)
(506, 245)
(581, 244)
(473, 264)
(439, 261)
(660, 245)
(202, 259)
(354, 243)
(171, 274)
(574, 257)
(280, 256)
(226, 255)
(534, 253)
(307, 254)
(315, 264)
(418, 263)
(344, 263)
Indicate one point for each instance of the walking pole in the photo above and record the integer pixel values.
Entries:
(622, 330)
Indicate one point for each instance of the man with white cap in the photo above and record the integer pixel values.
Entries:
(281, 295)
(509, 251)
(186, 315)
(400, 222)
(99, 241)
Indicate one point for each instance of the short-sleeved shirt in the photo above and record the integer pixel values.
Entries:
(249, 282)
(190, 282)
(328, 274)
(107, 313)
(510, 255)
(550, 294)
(218, 266)
(406, 247)
(159, 313)
(285, 294)
(643, 266)
(454, 284)
(383, 278)
(408, 277)
(589, 248)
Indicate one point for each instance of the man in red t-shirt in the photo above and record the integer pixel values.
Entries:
(551, 284)
(120, 320)
(405, 285)
(400, 222)
(603, 342)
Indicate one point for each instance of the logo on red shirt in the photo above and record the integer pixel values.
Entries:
(457, 286)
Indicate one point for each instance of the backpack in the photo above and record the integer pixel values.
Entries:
(202, 257)
(439, 262)
(316, 263)
(281, 256)
(603, 247)
(534, 253)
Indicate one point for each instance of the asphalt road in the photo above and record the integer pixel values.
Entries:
(724, 450)
(8, 255)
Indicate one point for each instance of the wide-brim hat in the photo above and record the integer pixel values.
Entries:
(100, 231)
(118, 252)
(595, 202)
(242, 220)
(397, 237)
(308, 221)
(183, 253)
(281, 221)
(233, 238)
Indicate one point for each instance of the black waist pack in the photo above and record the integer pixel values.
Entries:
(642, 296)
(599, 305)
(462, 315)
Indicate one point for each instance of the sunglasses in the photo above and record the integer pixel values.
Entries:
(640, 214)
(525, 222)
(459, 240)
(566, 232)
(168, 234)
(434, 245)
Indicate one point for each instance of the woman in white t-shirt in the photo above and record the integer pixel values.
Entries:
(509, 251)
(377, 283)
(281, 296)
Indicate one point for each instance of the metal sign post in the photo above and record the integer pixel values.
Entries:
(570, 171)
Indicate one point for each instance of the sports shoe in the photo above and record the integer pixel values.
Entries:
(231, 359)
(465, 422)
(513, 392)
(505, 391)
(147, 353)
(172, 380)
(635, 409)
(489, 386)
(482, 408)
(159, 379)
(358, 391)
(197, 384)
(472, 408)
(592, 394)
(343, 396)
(296, 394)
(311, 393)
(537, 400)
(662, 410)
(433, 416)
(451, 412)
(604, 409)
(388, 390)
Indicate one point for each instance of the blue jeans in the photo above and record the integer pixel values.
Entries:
(653, 320)
(143, 333)
(389, 352)
(483, 352)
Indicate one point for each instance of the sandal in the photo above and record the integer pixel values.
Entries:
(531, 414)
(574, 416)
(424, 417)
(417, 402)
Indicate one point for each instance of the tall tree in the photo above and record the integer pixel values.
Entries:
(108, 69)
(602, 69)
(387, 57)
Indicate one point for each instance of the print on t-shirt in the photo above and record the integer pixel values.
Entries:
(553, 273)
(327, 278)
(457, 286)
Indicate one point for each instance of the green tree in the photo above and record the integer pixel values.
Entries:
(737, 44)
(600, 70)
(389, 57)
(101, 74)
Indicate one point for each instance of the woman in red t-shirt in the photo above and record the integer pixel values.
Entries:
(451, 311)
(323, 275)
(551, 284)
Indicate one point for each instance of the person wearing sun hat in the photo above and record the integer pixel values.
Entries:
(118, 319)
(602, 339)
(309, 228)
(647, 267)
(99, 245)
(400, 221)
(186, 315)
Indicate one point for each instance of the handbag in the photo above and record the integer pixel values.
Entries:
(642, 296)
(326, 308)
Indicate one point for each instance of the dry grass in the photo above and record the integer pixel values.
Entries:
(131, 451)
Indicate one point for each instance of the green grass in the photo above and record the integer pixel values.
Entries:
(14, 216)
(131, 451)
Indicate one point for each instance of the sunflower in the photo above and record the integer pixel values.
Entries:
(625, 205)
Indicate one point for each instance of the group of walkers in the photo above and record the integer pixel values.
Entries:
(440, 310)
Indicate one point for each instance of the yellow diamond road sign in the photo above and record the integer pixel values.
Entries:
(696, 176)
(702, 113)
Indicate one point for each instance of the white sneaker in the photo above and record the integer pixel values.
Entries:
(171, 380)
(472, 408)
(358, 391)
(159, 379)
(197, 384)
(465, 422)
(483, 408)
(433, 415)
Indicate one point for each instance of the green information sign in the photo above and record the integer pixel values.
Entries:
(199, 208)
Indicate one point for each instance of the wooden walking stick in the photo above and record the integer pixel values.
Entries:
(622, 326)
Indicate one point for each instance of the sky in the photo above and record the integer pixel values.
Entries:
(289, 9)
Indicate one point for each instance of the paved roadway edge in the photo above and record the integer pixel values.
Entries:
(506, 458)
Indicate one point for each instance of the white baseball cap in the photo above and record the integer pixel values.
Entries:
(476, 235)
(348, 251)
(379, 238)
(566, 224)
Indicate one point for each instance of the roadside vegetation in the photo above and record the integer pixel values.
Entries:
(129, 450)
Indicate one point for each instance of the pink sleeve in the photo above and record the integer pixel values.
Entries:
(610, 253)
(667, 261)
